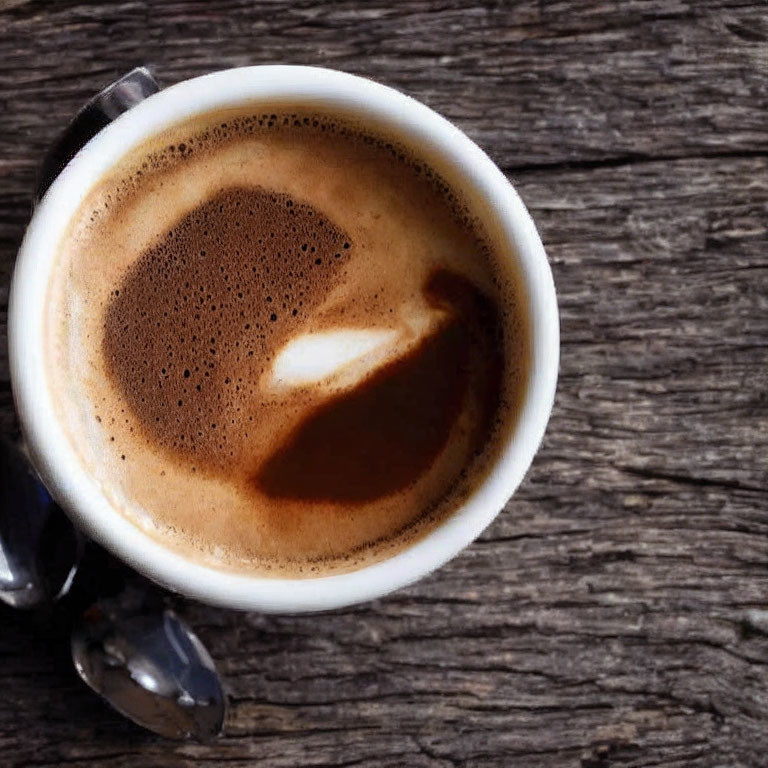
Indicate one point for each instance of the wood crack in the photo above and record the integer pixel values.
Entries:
(629, 159)
(703, 482)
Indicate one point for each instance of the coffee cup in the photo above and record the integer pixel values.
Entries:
(78, 489)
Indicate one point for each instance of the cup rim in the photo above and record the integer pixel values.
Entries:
(51, 450)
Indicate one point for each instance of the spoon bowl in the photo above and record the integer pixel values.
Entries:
(151, 667)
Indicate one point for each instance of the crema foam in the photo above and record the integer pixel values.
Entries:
(282, 342)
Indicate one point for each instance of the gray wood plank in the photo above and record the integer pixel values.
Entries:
(615, 614)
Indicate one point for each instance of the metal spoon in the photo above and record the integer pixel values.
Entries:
(151, 667)
(39, 548)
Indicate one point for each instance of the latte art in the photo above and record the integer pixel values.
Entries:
(198, 318)
(278, 340)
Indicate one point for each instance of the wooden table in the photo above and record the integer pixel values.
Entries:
(616, 613)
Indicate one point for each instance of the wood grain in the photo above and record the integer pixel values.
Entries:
(616, 614)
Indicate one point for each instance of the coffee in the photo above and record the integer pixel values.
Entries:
(282, 342)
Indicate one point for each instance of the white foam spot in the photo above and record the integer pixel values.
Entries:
(314, 357)
(341, 358)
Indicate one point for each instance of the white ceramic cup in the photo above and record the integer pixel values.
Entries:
(49, 447)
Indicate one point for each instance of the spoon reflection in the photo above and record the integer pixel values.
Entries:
(150, 667)
(39, 548)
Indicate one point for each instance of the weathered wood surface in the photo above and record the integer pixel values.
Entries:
(616, 614)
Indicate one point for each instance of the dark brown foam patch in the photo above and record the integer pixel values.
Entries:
(384, 435)
(198, 317)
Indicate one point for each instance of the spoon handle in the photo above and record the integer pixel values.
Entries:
(102, 109)
(39, 549)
